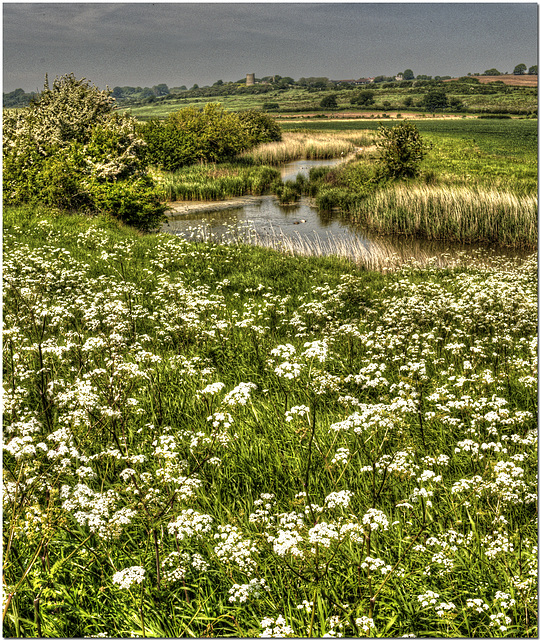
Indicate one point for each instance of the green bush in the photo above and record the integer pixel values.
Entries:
(69, 147)
(135, 202)
(259, 127)
(364, 97)
(189, 136)
(402, 149)
(329, 102)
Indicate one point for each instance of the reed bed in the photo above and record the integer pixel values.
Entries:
(312, 146)
(458, 214)
(215, 182)
(381, 256)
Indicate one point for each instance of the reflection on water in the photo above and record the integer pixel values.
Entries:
(303, 224)
(265, 215)
(290, 170)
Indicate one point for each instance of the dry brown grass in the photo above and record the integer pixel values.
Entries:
(313, 145)
(510, 79)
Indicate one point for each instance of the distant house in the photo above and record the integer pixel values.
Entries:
(399, 77)
(365, 80)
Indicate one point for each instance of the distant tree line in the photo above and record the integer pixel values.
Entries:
(161, 92)
(18, 98)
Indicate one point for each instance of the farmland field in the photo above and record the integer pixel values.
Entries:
(392, 98)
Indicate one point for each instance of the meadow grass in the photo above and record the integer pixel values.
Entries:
(478, 183)
(223, 440)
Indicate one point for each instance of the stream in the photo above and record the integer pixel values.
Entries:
(302, 228)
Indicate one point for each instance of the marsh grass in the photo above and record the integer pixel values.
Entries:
(457, 214)
(215, 181)
(312, 146)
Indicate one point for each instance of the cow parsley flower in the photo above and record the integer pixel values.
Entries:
(128, 577)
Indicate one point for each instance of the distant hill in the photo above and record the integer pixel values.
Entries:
(509, 79)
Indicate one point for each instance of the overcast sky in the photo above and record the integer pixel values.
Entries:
(144, 44)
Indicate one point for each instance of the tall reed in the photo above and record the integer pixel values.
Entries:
(312, 146)
(215, 182)
(458, 214)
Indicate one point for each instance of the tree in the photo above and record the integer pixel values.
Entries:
(161, 90)
(520, 69)
(408, 74)
(189, 136)
(258, 128)
(492, 72)
(533, 71)
(435, 100)
(364, 97)
(71, 150)
(329, 102)
(402, 149)
(455, 103)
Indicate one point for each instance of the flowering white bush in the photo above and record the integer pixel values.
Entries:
(70, 149)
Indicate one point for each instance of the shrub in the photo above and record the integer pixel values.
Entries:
(364, 97)
(189, 136)
(69, 147)
(259, 128)
(402, 149)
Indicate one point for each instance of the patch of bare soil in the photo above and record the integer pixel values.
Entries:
(184, 207)
(510, 79)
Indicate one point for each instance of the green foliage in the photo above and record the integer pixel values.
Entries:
(402, 149)
(259, 128)
(189, 136)
(392, 416)
(69, 148)
(520, 69)
(364, 97)
(17, 98)
(288, 193)
(216, 182)
(329, 102)
(136, 202)
(435, 100)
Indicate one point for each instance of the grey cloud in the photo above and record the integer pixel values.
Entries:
(183, 43)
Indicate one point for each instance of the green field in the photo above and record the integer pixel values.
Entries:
(500, 152)
(516, 100)
(215, 439)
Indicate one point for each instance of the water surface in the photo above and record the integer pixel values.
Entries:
(303, 224)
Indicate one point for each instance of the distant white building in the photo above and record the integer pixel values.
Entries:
(399, 77)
